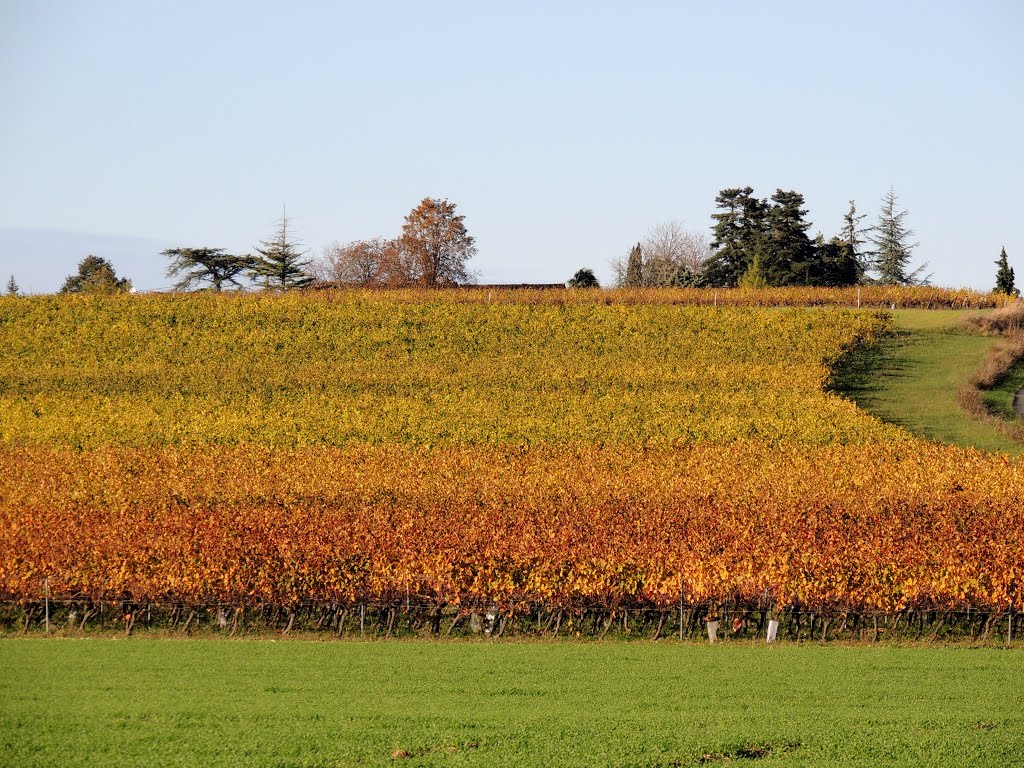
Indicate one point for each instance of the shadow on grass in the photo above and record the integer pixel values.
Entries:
(865, 371)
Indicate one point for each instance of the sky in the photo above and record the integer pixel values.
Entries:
(563, 132)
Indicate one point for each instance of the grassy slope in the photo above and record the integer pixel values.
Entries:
(1000, 398)
(911, 379)
(184, 703)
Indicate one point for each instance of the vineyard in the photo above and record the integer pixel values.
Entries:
(549, 459)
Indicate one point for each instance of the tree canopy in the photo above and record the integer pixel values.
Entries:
(437, 245)
(584, 278)
(196, 266)
(280, 263)
(789, 257)
(891, 238)
(95, 275)
(1004, 275)
(373, 262)
(738, 228)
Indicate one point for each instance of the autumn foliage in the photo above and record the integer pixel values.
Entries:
(465, 448)
(838, 527)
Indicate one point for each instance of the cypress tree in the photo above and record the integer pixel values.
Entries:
(1004, 275)
(635, 268)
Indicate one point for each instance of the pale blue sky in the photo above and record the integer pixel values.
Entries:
(563, 132)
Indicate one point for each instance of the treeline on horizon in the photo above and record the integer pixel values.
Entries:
(755, 243)
(764, 242)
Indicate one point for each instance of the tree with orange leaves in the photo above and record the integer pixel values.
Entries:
(437, 245)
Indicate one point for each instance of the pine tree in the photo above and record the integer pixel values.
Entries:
(584, 278)
(788, 257)
(1004, 275)
(836, 264)
(635, 268)
(280, 263)
(95, 275)
(738, 228)
(853, 235)
(891, 238)
(13, 290)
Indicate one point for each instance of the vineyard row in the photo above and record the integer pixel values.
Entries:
(865, 528)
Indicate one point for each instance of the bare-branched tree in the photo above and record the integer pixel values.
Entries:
(374, 262)
(673, 254)
(669, 254)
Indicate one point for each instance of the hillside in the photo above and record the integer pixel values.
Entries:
(584, 454)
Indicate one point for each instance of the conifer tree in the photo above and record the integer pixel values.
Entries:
(584, 278)
(1004, 275)
(836, 264)
(635, 268)
(737, 230)
(788, 257)
(95, 275)
(891, 238)
(753, 278)
(853, 235)
(12, 287)
(280, 263)
(206, 265)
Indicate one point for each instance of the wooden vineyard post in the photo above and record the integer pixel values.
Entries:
(680, 616)
(46, 602)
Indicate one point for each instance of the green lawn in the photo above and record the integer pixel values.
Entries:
(912, 377)
(136, 702)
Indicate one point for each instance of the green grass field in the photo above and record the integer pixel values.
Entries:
(911, 379)
(106, 702)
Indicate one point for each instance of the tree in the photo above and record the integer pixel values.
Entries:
(891, 238)
(206, 265)
(738, 227)
(836, 264)
(634, 277)
(435, 244)
(753, 278)
(853, 236)
(95, 275)
(788, 255)
(280, 263)
(12, 287)
(374, 262)
(672, 255)
(584, 278)
(1004, 275)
